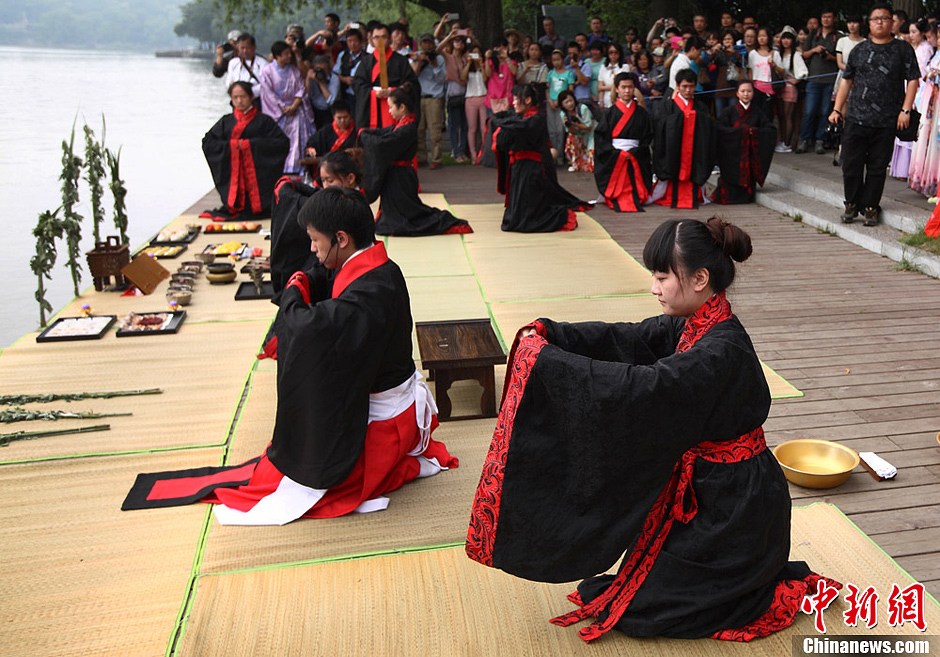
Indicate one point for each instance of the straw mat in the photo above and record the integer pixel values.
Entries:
(429, 511)
(440, 298)
(433, 255)
(479, 212)
(780, 388)
(555, 269)
(202, 371)
(440, 603)
(80, 576)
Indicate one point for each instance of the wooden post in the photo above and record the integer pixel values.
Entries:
(383, 65)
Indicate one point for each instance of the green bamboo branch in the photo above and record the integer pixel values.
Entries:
(71, 220)
(118, 191)
(47, 230)
(7, 438)
(94, 175)
(20, 414)
(19, 400)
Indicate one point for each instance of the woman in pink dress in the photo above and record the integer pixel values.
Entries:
(282, 95)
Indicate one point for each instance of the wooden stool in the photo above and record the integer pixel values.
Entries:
(456, 351)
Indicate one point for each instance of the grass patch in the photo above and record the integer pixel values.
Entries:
(827, 230)
(798, 218)
(906, 265)
(921, 241)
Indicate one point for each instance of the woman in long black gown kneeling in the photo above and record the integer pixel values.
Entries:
(391, 173)
(535, 202)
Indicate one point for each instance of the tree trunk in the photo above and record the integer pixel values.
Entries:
(484, 16)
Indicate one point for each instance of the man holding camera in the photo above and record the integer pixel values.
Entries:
(246, 67)
(348, 62)
(428, 65)
(224, 52)
(324, 89)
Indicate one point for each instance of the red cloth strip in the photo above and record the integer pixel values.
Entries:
(164, 489)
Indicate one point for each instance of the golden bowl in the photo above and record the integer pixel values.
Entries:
(223, 277)
(813, 463)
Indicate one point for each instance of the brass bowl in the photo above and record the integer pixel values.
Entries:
(813, 463)
(222, 277)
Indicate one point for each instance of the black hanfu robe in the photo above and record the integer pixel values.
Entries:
(328, 139)
(389, 156)
(246, 153)
(644, 438)
(525, 174)
(372, 111)
(290, 244)
(746, 139)
(683, 150)
(623, 176)
(336, 354)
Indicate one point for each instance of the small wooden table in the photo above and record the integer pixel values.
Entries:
(459, 350)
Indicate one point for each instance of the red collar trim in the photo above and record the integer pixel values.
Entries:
(405, 120)
(532, 111)
(366, 261)
(716, 309)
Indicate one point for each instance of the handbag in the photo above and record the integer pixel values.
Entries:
(910, 132)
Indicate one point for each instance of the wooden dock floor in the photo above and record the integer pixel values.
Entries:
(843, 325)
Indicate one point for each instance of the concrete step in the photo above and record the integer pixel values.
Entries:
(896, 213)
(825, 216)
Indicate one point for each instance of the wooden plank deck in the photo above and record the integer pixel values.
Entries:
(841, 324)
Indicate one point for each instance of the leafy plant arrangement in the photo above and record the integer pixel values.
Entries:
(47, 230)
(94, 175)
(7, 438)
(118, 192)
(71, 220)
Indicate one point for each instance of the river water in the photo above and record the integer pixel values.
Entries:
(156, 110)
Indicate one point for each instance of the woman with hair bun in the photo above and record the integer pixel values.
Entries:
(658, 452)
(391, 172)
(535, 202)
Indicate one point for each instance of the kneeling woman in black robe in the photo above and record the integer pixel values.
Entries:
(745, 148)
(535, 202)
(391, 173)
(659, 453)
(245, 151)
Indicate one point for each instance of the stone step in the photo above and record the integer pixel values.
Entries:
(895, 213)
(881, 239)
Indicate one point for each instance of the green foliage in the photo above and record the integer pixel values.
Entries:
(922, 241)
(118, 191)
(94, 175)
(199, 21)
(43, 398)
(47, 230)
(71, 220)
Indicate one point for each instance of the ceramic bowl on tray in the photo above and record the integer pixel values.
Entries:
(191, 265)
(814, 463)
(181, 297)
(183, 277)
(206, 258)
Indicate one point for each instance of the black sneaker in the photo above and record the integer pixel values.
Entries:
(801, 147)
(820, 148)
(872, 216)
(850, 212)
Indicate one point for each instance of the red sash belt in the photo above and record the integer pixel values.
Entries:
(675, 502)
(516, 156)
(413, 163)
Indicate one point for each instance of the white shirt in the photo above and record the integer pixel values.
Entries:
(239, 72)
(606, 76)
(679, 63)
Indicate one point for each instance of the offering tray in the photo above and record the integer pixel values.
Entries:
(165, 252)
(247, 291)
(155, 323)
(77, 328)
(171, 237)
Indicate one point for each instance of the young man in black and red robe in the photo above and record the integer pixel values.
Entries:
(525, 170)
(644, 441)
(354, 418)
(245, 151)
(622, 150)
(683, 146)
(371, 98)
(746, 139)
(339, 135)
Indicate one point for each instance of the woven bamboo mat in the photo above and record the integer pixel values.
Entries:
(588, 229)
(433, 255)
(439, 298)
(80, 576)
(556, 269)
(424, 512)
(438, 602)
(202, 371)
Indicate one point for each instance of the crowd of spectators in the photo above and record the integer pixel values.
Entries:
(795, 70)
